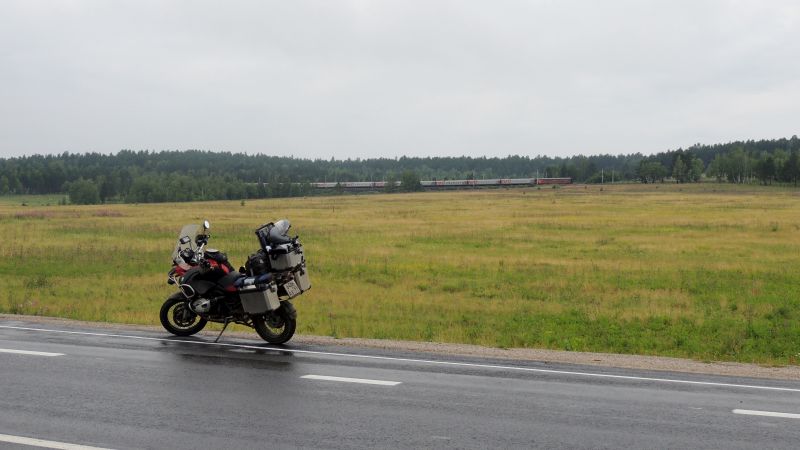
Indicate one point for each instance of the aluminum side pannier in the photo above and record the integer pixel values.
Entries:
(285, 257)
(259, 298)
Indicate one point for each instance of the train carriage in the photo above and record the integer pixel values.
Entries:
(447, 184)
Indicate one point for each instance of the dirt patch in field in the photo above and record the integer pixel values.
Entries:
(518, 354)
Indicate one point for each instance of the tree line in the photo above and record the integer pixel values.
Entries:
(764, 161)
(166, 176)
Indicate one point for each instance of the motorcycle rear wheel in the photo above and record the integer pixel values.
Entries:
(277, 327)
(178, 319)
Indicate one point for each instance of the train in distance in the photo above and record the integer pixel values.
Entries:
(434, 184)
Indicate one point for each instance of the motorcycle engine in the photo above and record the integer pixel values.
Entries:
(201, 305)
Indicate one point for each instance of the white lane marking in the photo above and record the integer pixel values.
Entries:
(28, 352)
(419, 361)
(351, 380)
(45, 444)
(766, 413)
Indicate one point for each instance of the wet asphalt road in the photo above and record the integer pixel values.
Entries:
(164, 392)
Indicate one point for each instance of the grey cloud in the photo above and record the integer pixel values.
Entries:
(387, 78)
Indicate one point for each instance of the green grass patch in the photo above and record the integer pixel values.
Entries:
(705, 271)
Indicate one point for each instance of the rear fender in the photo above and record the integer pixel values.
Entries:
(289, 307)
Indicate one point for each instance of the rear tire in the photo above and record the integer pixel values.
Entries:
(277, 327)
(178, 319)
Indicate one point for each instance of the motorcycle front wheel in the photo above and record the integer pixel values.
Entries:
(277, 327)
(178, 319)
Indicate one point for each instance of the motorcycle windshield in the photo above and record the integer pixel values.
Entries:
(191, 231)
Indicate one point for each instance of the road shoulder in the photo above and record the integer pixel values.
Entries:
(656, 363)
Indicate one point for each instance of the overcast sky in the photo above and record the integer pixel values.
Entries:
(327, 78)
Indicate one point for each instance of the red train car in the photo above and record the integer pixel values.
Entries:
(554, 181)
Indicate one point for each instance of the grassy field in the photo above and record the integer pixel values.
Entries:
(705, 271)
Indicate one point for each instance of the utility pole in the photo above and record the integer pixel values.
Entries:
(602, 176)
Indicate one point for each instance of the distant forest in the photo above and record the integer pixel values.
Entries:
(166, 176)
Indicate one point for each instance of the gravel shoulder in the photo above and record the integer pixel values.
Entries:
(657, 363)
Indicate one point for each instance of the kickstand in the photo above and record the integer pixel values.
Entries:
(227, 321)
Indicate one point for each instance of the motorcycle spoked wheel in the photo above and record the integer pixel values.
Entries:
(277, 327)
(178, 319)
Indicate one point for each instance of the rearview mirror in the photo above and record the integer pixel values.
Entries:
(206, 225)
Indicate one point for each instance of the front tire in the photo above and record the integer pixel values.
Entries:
(277, 327)
(178, 319)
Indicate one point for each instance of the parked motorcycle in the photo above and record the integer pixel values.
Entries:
(257, 295)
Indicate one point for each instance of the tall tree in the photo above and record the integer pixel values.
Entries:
(765, 169)
(391, 183)
(83, 192)
(651, 171)
(790, 171)
(679, 170)
(410, 182)
(716, 168)
(696, 170)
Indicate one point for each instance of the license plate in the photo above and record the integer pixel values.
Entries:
(291, 289)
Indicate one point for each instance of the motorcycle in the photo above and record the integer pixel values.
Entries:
(257, 295)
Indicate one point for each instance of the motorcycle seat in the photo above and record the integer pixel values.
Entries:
(228, 281)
